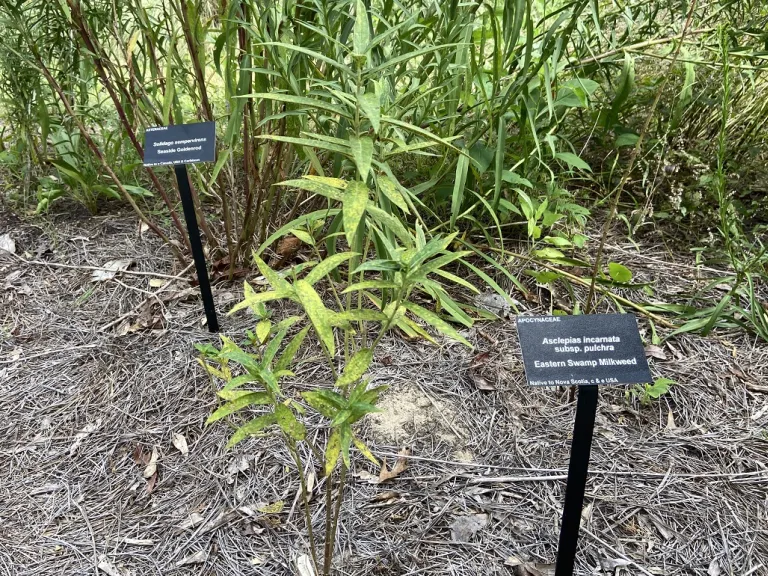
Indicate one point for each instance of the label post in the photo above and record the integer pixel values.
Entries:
(178, 146)
(585, 351)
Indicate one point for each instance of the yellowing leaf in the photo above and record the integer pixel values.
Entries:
(333, 182)
(364, 450)
(274, 508)
(262, 330)
(355, 201)
(332, 451)
(318, 314)
(355, 368)
(434, 320)
(389, 189)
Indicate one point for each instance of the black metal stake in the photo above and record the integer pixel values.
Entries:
(586, 410)
(197, 247)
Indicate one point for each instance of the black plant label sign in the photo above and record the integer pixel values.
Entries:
(180, 144)
(593, 349)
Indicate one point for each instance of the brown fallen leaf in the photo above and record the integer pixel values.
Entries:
(388, 496)
(110, 270)
(180, 443)
(151, 468)
(655, 352)
(400, 465)
(286, 251)
(464, 527)
(480, 381)
(671, 421)
(151, 483)
(196, 558)
(522, 568)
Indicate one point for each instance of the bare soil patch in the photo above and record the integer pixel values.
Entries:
(89, 402)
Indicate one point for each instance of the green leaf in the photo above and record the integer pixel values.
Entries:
(318, 314)
(289, 424)
(459, 183)
(322, 145)
(515, 179)
(619, 272)
(278, 283)
(327, 402)
(290, 351)
(626, 85)
(361, 35)
(434, 320)
(355, 368)
(332, 451)
(310, 103)
(557, 241)
(391, 223)
(253, 398)
(626, 139)
(482, 156)
(362, 153)
(369, 104)
(573, 161)
(253, 427)
(296, 222)
(327, 265)
(659, 388)
(304, 236)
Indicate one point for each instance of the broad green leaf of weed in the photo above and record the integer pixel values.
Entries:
(619, 273)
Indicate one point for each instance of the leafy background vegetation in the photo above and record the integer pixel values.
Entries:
(407, 146)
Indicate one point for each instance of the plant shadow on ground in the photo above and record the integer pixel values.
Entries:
(676, 487)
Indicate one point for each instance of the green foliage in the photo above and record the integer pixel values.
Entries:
(252, 377)
(646, 393)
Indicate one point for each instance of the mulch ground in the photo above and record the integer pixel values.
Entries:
(96, 376)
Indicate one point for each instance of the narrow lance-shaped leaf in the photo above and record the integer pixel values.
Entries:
(355, 201)
(253, 427)
(369, 103)
(248, 399)
(362, 152)
(318, 314)
(327, 265)
(290, 351)
(332, 451)
(355, 368)
(434, 320)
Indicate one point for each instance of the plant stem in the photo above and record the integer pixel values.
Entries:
(305, 498)
(331, 537)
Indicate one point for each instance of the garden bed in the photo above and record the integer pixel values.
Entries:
(96, 376)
